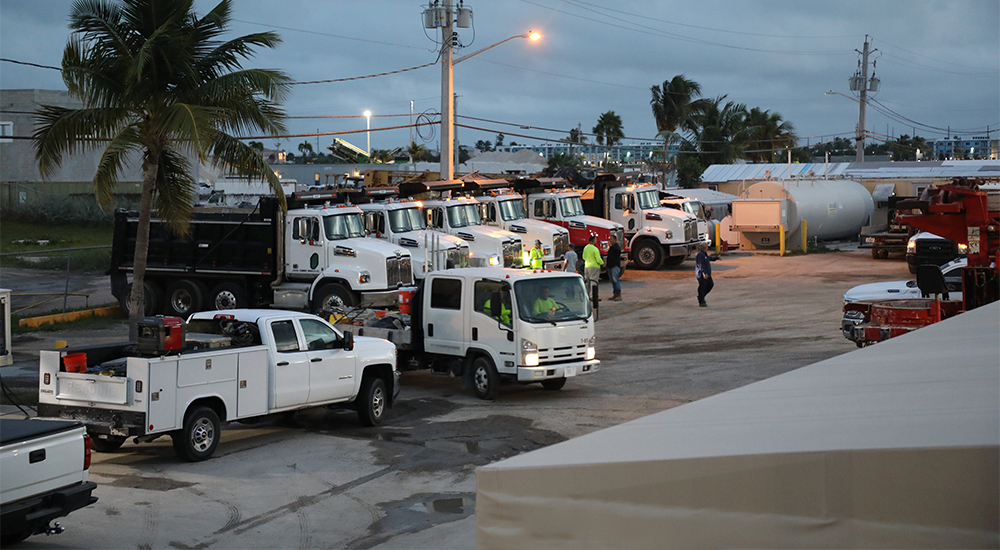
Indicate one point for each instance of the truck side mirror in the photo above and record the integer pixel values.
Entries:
(348, 341)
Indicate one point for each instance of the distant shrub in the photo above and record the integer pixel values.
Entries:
(76, 209)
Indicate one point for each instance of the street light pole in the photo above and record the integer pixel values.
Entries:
(368, 132)
(447, 94)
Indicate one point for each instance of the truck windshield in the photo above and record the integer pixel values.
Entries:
(648, 199)
(552, 299)
(463, 215)
(571, 206)
(695, 209)
(405, 219)
(511, 210)
(343, 226)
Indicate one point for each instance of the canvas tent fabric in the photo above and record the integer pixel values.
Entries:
(892, 446)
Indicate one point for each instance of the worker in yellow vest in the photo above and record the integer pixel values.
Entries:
(592, 263)
(536, 255)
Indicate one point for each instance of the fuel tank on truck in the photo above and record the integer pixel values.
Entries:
(832, 209)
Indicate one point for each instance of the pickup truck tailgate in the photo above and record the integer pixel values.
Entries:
(38, 456)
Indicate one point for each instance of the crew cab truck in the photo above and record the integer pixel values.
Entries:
(694, 207)
(502, 207)
(656, 235)
(499, 325)
(459, 216)
(402, 222)
(553, 200)
(222, 366)
(313, 257)
(45, 467)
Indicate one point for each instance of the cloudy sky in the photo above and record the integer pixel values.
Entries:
(938, 61)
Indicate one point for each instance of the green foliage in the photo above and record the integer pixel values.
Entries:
(609, 129)
(79, 210)
(560, 160)
(74, 235)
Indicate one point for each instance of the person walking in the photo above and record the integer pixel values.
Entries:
(536, 257)
(592, 263)
(703, 272)
(572, 259)
(615, 268)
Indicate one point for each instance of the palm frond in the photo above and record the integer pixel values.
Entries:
(175, 188)
(112, 164)
(239, 158)
(61, 131)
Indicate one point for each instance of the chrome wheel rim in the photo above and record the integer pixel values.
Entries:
(225, 300)
(202, 435)
(646, 255)
(378, 402)
(482, 380)
(181, 300)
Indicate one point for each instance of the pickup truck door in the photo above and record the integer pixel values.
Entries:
(331, 367)
(291, 368)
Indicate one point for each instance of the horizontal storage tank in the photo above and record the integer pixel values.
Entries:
(832, 209)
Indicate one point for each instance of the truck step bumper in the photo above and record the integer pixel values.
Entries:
(562, 370)
(382, 298)
(36, 512)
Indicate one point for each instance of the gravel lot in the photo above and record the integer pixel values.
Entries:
(322, 481)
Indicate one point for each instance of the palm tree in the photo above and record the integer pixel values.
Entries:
(674, 103)
(416, 151)
(722, 131)
(256, 145)
(306, 149)
(156, 80)
(768, 133)
(609, 129)
(383, 156)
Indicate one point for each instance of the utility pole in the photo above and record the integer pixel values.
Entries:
(454, 132)
(411, 132)
(860, 82)
(447, 93)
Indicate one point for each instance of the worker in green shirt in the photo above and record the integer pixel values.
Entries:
(592, 263)
(536, 255)
(544, 305)
(504, 311)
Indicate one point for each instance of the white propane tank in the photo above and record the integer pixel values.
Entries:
(832, 209)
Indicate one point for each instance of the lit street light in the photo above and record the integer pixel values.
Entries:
(368, 133)
(448, 62)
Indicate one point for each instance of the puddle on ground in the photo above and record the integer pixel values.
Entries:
(147, 483)
(464, 446)
(414, 514)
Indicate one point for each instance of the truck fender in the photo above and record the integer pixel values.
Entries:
(472, 353)
(212, 401)
(382, 371)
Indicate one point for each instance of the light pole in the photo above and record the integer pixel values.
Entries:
(368, 132)
(448, 63)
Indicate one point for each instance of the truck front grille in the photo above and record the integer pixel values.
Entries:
(560, 245)
(458, 257)
(562, 354)
(399, 271)
(690, 230)
(512, 253)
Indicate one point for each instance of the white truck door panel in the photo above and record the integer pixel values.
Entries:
(331, 367)
(488, 332)
(444, 327)
(251, 393)
(305, 253)
(161, 395)
(291, 369)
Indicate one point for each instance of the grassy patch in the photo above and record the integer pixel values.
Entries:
(13, 232)
(814, 248)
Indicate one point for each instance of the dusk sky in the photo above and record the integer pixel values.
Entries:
(938, 62)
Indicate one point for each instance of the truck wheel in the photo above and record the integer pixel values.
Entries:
(150, 296)
(199, 437)
(331, 296)
(371, 401)
(647, 255)
(554, 384)
(184, 297)
(485, 379)
(879, 253)
(227, 296)
(674, 261)
(106, 443)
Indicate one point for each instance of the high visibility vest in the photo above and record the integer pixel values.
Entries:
(536, 258)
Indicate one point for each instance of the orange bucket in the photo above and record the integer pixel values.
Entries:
(75, 362)
(405, 297)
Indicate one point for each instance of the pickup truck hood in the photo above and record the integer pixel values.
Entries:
(880, 291)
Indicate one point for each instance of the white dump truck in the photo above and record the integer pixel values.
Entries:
(492, 326)
(185, 379)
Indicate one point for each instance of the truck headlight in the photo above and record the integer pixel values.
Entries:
(604, 245)
(670, 234)
(911, 246)
(364, 277)
(591, 350)
(529, 353)
(495, 260)
(963, 248)
(546, 250)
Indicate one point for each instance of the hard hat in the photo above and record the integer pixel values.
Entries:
(538, 242)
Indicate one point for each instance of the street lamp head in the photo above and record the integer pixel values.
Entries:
(368, 113)
(532, 35)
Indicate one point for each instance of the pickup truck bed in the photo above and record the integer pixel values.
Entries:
(44, 465)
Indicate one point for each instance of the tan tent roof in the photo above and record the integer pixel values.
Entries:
(896, 445)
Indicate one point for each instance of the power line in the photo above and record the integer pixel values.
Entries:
(330, 35)
(363, 77)
(30, 64)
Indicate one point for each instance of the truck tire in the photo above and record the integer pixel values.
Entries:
(554, 384)
(151, 296)
(371, 401)
(674, 261)
(647, 254)
(485, 379)
(227, 296)
(106, 443)
(184, 297)
(331, 296)
(199, 437)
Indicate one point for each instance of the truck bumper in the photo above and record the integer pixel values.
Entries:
(382, 298)
(554, 265)
(98, 421)
(682, 249)
(851, 319)
(562, 370)
(34, 513)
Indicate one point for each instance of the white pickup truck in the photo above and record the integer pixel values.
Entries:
(223, 366)
(44, 467)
